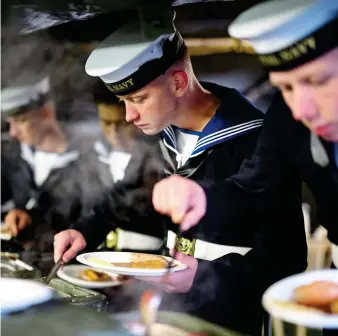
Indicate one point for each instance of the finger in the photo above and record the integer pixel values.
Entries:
(151, 280)
(178, 211)
(191, 262)
(61, 242)
(172, 252)
(10, 222)
(192, 217)
(170, 288)
(180, 205)
(72, 252)
(159, 198)
(24, 220)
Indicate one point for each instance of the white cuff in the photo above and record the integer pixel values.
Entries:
(137, 241)
(334, 251)
(209, 251)
(7, 206)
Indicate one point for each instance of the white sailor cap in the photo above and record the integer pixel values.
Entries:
(128, 60)
(288, 33)
(17, 100)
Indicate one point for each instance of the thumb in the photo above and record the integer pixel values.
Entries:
(191, 262)
(191, 219)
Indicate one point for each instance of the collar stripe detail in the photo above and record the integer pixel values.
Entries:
(229, 129)
(171, 135)
(225, 136)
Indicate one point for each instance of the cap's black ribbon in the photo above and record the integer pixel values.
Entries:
(173, 50)
(304, 50)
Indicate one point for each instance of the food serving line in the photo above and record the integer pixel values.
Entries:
(79, 304)
(94, 297)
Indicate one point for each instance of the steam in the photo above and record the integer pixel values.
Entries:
(28, 57)
(24, 57)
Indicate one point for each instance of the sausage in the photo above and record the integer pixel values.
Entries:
(318, 293)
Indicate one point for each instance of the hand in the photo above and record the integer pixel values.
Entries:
(181, 199)
(68, 244)
(16, 220)
(176, 282)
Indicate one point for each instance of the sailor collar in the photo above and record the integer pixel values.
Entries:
(232, 119)
(62, 159)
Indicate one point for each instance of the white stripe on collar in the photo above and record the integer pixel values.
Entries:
(171, 134)
(213, 138)
(228, 130)
(224, 134)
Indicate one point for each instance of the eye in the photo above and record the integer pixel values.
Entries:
(106, 123)
(286, 88)
(21, 120)
(139, 100)
(319, 81)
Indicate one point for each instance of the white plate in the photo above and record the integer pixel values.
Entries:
(19, 294)
(283, 291)
(124, 257)
(3, 235)
(71, 273)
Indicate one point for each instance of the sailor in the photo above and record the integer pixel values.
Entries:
(301, 56)
(44, 170)
(206, 131)
(120, 156)
(297, 43)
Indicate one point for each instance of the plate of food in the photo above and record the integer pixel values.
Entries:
(5, 234)
(20, 294)
(309, 299)
(87, 277)
(129, 263)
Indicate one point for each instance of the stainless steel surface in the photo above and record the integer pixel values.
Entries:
(53, 271)
(13, 267)
(75, 295)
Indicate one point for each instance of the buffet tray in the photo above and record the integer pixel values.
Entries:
(13, 267)
(75, 295)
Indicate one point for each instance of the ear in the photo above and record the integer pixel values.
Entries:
(47, 111)
(180, 83)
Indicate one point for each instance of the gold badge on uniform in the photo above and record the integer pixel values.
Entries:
(185, 245)
(111, 239)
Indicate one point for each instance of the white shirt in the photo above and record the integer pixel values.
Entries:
(118, 162)
(42, 163)
(186, 142)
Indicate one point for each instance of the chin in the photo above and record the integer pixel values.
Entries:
(150, 131)
(334, 138)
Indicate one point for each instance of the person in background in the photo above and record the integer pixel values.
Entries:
(120, 155)
(300, 133)
(205, 133)
(50, 179)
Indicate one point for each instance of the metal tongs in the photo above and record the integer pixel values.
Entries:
(152, 298)
(53, 271)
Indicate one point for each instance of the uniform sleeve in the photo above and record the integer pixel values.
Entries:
(127, 205)
(325, 191)
(264, 198)
(267, 173)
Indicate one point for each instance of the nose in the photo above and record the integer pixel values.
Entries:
(13, 130)
(303, 105)
(131, 113)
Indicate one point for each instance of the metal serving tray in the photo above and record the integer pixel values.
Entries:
(12, 267)
(75, 295)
